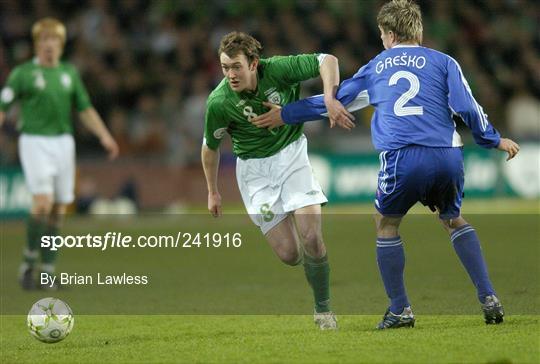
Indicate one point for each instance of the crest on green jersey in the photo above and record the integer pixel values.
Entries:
(66, 80)
(39, 80)
(273, 96)
(7, 95)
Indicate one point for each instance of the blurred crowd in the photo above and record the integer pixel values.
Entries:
(149, 65)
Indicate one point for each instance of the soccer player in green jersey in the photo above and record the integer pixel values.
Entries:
(47, 90)
(273, 171)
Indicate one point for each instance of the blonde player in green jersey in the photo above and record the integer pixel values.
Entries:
(47, 89)
(273, 171)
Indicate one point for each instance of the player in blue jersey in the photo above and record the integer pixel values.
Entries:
(416, 92)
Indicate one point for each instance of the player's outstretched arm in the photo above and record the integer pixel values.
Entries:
(509, 146)
(210, 163)
(338, 114)
(351, 93)
(2, 118)
(91, 120)
(329, 71)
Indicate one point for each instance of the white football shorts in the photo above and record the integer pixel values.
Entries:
(49, 165)
(275, 186)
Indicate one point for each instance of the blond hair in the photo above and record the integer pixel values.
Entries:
(235, 43)
(403, 18)
(51, 25)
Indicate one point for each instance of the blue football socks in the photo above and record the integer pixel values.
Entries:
(391, 261)
(467, 247)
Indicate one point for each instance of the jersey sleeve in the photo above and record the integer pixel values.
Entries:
(294, 69)
(215, 124)
(462, 103)
(11, 89)
(80, 95)
(352, 93)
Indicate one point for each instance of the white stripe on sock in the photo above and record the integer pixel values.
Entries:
(388, 241)
(459, 233)
(389, 245)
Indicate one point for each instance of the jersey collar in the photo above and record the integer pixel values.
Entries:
(406, 46)
(36, 62)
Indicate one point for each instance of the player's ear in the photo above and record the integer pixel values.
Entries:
(393, 37)
(254, 64)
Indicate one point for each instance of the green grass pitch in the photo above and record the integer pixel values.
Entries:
(275, 339)
(242, 305)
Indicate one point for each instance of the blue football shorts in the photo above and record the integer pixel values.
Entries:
(433, 176)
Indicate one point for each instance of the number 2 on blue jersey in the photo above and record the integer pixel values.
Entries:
(399, 106)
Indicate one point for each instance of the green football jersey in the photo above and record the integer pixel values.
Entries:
(47, 95)
(278, 81)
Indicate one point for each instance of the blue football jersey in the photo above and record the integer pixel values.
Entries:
(415, 92)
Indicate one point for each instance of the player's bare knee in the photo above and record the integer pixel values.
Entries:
(313, 243)
(316, 251)
(59, 209)
(446, 226)
(387, 227)
(57, 214)
(41, 209)
(290, 256)
(377, 218)
(311, 238)
(451, 224)
(387, 233)
(41, 206)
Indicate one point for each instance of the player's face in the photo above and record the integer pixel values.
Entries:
(239, 72)
(388, 39)
(49, 48)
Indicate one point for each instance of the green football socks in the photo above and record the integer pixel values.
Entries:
(35, 228)
(48, 256)
(318, 275)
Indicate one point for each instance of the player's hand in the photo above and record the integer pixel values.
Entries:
(509, 146)
(271, 119)
(214, 203)
(338, 115)
(109, 144)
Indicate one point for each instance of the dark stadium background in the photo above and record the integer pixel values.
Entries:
(149, 66)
